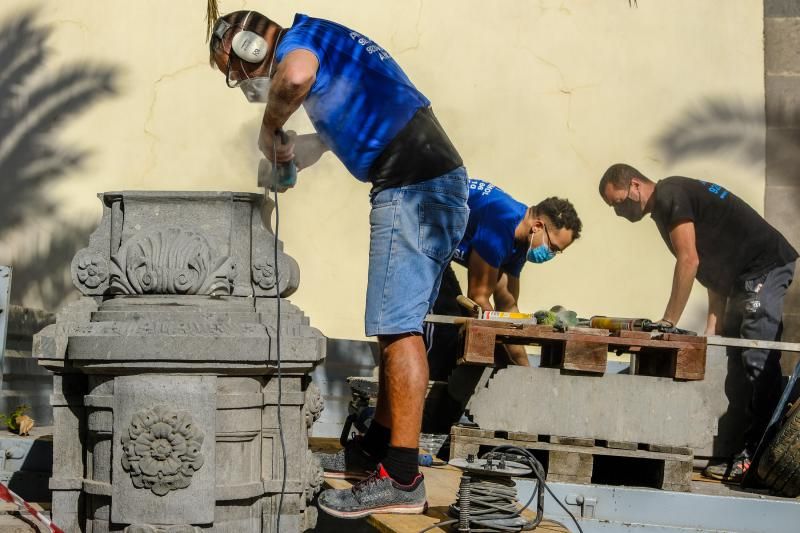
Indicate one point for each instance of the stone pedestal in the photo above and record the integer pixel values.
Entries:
(166, 389)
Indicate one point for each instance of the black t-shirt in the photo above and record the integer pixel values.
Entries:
(421, 151)
(733, 241)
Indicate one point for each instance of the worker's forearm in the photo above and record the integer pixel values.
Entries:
(716, 310)
(483, 302)
(517, 354)
(284, 99)
(682, 280)
(507, 305)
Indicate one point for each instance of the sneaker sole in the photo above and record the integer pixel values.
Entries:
(392, 509)
(346, 475)
(710, 475)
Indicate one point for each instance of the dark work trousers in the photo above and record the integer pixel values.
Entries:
(442, 340)
(755, 311)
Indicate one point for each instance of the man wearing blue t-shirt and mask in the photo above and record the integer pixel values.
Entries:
(369, 114)
(502, 235)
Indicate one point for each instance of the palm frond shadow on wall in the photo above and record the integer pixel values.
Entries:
(36, 101)
(736, 131)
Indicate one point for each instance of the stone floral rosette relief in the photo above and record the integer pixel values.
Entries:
(90, 270)
(162, 449)
(264, 274)
(170, 261)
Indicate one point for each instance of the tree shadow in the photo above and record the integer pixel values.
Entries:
(717, 127)
(36, 102)
(739, 131)
(41, 277)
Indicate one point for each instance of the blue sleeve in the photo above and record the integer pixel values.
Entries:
(491, 241)
(305, 37)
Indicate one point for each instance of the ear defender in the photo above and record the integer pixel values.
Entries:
(248, 45)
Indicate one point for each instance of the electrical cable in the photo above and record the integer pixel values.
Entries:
(489, 504)
(278, 342)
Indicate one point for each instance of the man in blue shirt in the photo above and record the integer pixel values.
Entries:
(369, 114)
(502, 235)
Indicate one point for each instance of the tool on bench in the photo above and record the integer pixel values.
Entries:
(470, 305)
(616, 324)
(277, 176)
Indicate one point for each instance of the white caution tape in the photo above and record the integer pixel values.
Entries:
(7, 495)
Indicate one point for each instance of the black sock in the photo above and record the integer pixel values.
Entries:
(376, 440)
(402, 464)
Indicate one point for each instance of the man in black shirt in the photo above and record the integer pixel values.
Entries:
(745, 263)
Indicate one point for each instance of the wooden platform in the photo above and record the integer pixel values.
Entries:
(586, 350)
(587, 461)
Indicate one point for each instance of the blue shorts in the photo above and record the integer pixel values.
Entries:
(414, 231)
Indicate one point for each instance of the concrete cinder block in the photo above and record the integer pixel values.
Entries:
(708, 416)
(783, 101)
(791, 325)
(610, 407)
(781, 8)
(781, 211)
(783, 156)
(782, 45)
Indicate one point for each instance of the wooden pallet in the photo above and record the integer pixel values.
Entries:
(586, 461)
(586, 349)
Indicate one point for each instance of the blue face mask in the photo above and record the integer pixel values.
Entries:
(540, 254)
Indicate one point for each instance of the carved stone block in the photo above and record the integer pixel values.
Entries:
(163, 449)
(184, 243)
(165, 386)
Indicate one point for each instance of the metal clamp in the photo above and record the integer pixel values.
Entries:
(587, 505)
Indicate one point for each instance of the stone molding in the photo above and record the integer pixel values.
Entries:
(169, 260)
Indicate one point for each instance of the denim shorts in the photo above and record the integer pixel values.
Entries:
(414, 231)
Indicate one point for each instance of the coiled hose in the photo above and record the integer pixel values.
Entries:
(489, 503)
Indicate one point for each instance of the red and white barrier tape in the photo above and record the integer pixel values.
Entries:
(7, 495)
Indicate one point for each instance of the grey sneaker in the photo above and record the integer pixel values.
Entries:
(379, 493)
(730, 472)
(351, 462)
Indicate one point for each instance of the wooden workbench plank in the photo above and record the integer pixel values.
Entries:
(713, 341)
(675, 356)
(534, 333)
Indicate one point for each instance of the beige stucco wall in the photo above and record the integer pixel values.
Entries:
(539, 97)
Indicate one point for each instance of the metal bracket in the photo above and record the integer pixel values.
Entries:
(587, 505)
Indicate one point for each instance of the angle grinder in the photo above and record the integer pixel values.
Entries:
(278, 176)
